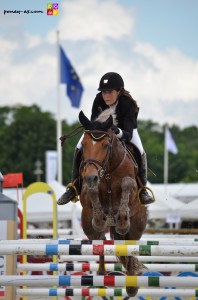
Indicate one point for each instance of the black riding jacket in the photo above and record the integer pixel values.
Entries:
(126, 114)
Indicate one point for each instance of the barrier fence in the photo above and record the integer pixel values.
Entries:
(117, 250)
(168, 259)
(110, 267)
(147, 250)
(162, 241)
(115, 292)
(97, 280)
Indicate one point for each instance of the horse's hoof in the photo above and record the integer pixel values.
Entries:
(122, 231)
(131, 291)
(100, 228)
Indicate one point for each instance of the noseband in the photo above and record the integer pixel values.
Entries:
(101, 167)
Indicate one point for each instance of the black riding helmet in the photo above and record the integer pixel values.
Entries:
(111, 81)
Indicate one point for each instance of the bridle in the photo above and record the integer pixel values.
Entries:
(101, 166)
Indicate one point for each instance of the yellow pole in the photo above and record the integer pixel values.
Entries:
(39, 187)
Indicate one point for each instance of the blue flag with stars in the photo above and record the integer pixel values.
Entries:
(69, 76)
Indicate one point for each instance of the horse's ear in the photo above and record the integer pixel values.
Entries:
(85, 121)
(105, 125)
(109, 122)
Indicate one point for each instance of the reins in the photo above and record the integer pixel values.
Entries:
(70, 134)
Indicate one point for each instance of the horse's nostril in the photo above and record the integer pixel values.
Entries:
(95, 179)
(92, 180)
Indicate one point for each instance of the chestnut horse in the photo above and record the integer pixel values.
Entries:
(109, 194)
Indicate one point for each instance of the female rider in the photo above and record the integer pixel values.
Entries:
(113, 98)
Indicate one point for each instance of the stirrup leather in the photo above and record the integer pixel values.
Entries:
(75, 198)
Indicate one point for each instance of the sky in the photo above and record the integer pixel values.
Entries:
(152, 44)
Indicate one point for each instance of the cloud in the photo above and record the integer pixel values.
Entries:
(23, 74)
(170, 74)
(98, 37)
(7, 48)
(94, 20)
(33, 41)
(162, 82)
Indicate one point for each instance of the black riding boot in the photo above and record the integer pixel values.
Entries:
(145, 198)
(73, 188)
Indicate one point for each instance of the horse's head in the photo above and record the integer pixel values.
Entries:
(96, 149)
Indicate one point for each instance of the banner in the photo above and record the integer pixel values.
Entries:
(51, 166)
(12, 180)
(170, 143)
(69, 76)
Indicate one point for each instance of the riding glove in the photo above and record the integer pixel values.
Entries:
(115, 129)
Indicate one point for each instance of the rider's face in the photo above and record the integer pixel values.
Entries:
(110, 96)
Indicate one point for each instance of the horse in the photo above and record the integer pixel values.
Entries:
(109, 193)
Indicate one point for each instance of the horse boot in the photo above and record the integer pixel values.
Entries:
(144, 196)
(73, 188)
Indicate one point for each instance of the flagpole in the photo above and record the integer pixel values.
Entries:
(165, 157)
(58, 124)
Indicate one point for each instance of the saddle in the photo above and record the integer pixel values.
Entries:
(135, 156)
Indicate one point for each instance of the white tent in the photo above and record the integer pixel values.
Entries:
(39, 206)
(164, 206)
(185, 192)
(189, 211)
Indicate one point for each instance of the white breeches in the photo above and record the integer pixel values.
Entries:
(79, 145)
(135, 140)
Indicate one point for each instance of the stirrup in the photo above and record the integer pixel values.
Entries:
(75, 198)
(145, 188)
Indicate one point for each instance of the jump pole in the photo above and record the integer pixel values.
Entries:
(117, 250)
(168, 259)
(102, 292)
(110, 267)
(88, 280)
(162, 241)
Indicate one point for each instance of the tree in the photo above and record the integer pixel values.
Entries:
(68, 150)
(27, 133)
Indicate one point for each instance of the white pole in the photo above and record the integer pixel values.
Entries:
(165, 158)
(59, 124)
(187, 293)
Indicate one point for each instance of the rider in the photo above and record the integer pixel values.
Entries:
(113, 96)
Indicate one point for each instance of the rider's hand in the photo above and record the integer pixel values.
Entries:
(115, 129)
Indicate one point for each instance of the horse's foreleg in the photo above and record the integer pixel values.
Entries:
(122, 217)
(99, 220)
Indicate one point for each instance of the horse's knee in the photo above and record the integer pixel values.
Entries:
(128, 183)
(129, 188)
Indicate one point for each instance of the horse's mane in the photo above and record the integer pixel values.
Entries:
(104, 115)
(95, 125)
